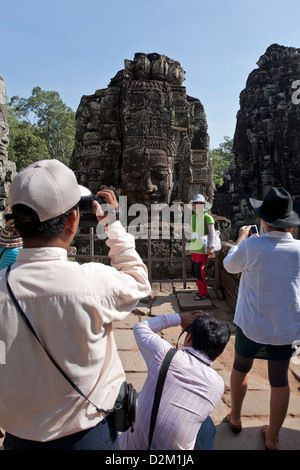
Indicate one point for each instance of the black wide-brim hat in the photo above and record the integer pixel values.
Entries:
(278, 209)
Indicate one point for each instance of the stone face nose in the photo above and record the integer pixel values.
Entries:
(150, 188)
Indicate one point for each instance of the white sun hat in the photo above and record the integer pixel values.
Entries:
(200, 199)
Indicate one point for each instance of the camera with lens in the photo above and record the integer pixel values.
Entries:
(86, 203)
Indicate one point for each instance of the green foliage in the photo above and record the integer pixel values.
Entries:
(28, 148)
(223, 159)
(40, 127)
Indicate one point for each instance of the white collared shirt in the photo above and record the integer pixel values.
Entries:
(268, 305)
(191, 391)
(71, 307)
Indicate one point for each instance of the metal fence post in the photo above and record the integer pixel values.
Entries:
(149, 256)
(183, 259)
(92, 249)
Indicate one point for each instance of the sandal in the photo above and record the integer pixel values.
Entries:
(200, 297)
(234, 429)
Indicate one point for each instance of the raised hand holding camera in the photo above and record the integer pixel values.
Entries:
(106, 206)
(254, 231)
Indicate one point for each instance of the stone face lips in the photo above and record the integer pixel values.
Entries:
(143, 136)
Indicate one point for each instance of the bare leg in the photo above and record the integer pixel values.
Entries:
(279, 403)
(238, 386)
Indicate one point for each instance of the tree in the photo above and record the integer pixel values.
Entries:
(41, 126)
(223, 159)
(28, 147)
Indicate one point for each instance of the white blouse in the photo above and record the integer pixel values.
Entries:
(268, 305)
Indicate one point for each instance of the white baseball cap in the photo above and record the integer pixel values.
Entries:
(48, 187)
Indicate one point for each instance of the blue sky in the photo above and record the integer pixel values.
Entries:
(76, 47)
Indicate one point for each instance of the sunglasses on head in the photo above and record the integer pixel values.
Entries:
(186, 330)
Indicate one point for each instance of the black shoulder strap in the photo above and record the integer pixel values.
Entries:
(159, 388)
(18, 307)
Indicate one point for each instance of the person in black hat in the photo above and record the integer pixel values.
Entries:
(267, 315)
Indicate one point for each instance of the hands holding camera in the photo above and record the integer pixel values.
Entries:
(110, 207)
(245, 232)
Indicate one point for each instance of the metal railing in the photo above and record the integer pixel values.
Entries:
(149, 260)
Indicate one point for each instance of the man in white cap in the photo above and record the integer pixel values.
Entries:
(71, 308)
(202, 224)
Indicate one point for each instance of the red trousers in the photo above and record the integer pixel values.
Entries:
(199, 260)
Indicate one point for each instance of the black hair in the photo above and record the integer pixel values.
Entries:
(209, 336)
(28, 224)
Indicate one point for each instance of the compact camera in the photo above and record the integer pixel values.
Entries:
(253, 230)
(86, 203)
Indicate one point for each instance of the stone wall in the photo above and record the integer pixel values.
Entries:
(7, 168)
(267, 135)
(228, 283)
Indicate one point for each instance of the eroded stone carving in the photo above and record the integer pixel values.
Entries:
(3, 121)
(7, 168)
(143, 136)
(267, 134)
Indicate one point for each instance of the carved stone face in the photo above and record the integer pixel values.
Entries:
(3, 135)
(3, 121)
(146, 176)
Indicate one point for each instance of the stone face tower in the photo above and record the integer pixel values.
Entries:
(7, 168)
(143, 136)
(267, 134)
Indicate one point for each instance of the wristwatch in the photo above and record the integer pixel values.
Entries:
(114, 213)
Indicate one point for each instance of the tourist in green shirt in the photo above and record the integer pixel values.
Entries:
(202, 224)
